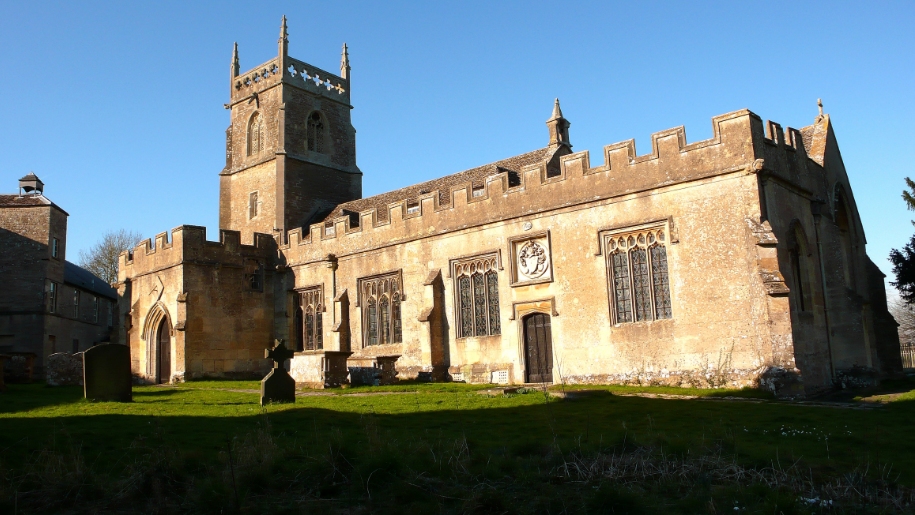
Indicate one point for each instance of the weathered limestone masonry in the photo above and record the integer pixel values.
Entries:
(739, 260)
(198, 308)
(47, 304)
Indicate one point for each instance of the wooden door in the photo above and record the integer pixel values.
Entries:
(164, 351)
(538, 348)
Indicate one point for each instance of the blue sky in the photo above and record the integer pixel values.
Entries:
(118, 106)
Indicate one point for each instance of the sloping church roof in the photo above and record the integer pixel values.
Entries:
(475, 176)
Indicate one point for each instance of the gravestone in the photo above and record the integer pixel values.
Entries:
(3, 358)
(278, 386)
(64, 369)
(106, 373)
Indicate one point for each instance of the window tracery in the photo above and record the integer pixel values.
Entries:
(312, 306)
(382, 297)
(315, 133)
(477, 289)
(255, 134)
(638, 277)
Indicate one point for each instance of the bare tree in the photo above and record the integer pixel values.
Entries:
(904, 314)
(102, 258)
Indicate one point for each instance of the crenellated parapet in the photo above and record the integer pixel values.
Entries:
(537, 189)
(188, 244)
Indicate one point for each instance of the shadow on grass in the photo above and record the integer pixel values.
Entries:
(444, 452)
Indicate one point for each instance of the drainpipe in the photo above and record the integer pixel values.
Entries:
(816, 207)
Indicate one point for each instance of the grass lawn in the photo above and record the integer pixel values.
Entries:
(208, 447)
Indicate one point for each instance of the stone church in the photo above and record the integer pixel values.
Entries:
(738, 260)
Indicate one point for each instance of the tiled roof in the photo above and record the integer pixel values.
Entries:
(82, 278)
(443, 185)
(25, 200)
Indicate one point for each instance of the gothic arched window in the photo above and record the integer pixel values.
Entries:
(255, 134)
(382, 303)
(311, 305)
(477, 285)
(372, 323)
(315, 133)
(298, 330)
(638, 278)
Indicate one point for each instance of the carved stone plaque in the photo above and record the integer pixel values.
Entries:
(531, 259)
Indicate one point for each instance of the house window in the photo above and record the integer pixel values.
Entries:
(255, 134)
(76, 304)
(637, 276)
(381, 297)
(254, 275)
(315, 133)
(55, 248)
(477, 289)
(311, 304)
(52, 298)
(94, 310)
(252, 205)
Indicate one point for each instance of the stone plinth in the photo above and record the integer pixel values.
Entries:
(64, 369)
(320, 369)
(375, 371)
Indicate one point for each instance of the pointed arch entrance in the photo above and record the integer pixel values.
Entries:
(158, 332)
(163, 352)
(538, 348)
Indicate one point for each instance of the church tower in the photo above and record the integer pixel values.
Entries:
(290, 147)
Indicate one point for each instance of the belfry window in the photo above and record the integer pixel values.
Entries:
(311, 309)
(637, 275)
(315, 133)
(381, 299)
(477, 290)
(255, 134)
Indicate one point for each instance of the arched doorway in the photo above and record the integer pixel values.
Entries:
(163, 352)
(538, 348)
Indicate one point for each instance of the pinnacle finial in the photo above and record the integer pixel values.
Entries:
(820, 105)
(235, 69)
(344, 63)
(283, 34)
(557, 112)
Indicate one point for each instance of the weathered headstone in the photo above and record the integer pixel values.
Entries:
(3, 358)
(106, 373)
(64, 369)
(278, 386)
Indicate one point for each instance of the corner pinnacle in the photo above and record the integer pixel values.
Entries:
(235, 60)
(557, 112)
(283, 34)
(344, 63)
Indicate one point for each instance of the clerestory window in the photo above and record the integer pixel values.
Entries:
(381, 298)
(639, 285)
(477, 289)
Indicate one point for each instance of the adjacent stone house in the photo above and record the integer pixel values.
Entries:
(738, 260)
(47, 304)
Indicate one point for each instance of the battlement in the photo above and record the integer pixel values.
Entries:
(671, 160)
(189, 243)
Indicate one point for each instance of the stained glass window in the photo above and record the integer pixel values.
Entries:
(372, 322)
(479, 304)
(309, 329)
(641, 287)
(477, 289)
(319, 329)
(466, 306)
(661, 283)
(492, 283)
(395, 315)
(621, 287)
(382, 305)
(385, 309)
